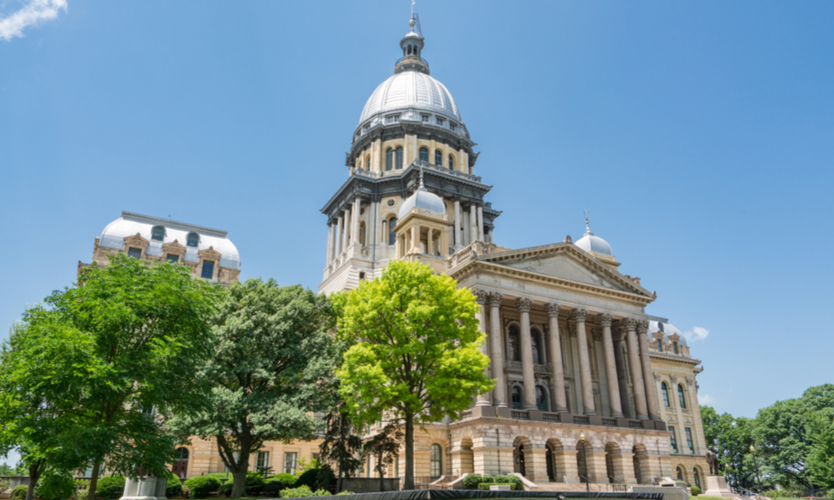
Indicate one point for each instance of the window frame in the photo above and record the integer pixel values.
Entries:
(689, 442)
(293, 465)
(681, 396)
(673, 439)
(664, 390)
(513, 331)
(436, 461)
(423, 154)
(438, 157)
(131, 252)
(154, 233)
(259, 458)
(189, 240)
(398, 158)
(389, 159)
(172, 258)
(451, 162)
(203, 269)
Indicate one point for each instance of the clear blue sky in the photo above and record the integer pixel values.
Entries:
(700, 136)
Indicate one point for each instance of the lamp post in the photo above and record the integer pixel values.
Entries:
(756, 466)
(584, 461)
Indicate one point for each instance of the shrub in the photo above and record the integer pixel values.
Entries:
(472, 481)
(55, 485)
(301, 491)
(323, 493)
(695, 490)
(202, 486)
(309, 479)
(82, 495)
(110, 488)
(222, 476)
(325, 478)
(287, 479)
(511, 480)
(345, 493)
(485, 486)
(254, 485)
(19, 492)
(174, 486)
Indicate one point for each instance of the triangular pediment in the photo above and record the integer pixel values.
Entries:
(564, 261)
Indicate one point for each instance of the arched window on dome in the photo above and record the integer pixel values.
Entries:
(451, 162)
(514, 339)
(158, 233)
(389, 159)
(424, 154)
(438, 158)
(399, 155)
(681, 397)
(392, 236)
(665, 390)
(192, 240)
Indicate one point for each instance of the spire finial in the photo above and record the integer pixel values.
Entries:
(587, 223)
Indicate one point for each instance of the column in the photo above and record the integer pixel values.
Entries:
(346, 236)
(535, 464)
(622, 373)
(497, 358)
(430, 241)
(584, 362)
(636, 369)
(458, 227)
(566, 468)
(340, 224)
(415, 239)
(610, 366)
(552, 311)
(480, 223)
(473, 222)
(330, 242)
(481, 297)
(354, 224)
(523, 305)
(648, 376)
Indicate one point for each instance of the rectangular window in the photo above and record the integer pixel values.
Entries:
(674, 439)
(289, 462)
(659, 346)
(316, 457)
(426, 118)
(173, 259)
(136, 253)
(263, 462)
(439, 120)
(675, 347)
(208, 269)
(689, 442)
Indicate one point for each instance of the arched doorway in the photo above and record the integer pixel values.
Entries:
(519, 445)
(554, 447)
(180, 468)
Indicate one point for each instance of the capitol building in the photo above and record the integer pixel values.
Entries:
(587, 383)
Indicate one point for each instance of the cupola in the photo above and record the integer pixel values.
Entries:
(596, 246)
(412, 45)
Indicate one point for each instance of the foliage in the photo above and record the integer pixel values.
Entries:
(820, 460)
(255, 483)
(110, 488)
(695, 490)
(509, 479)
(301, 491)
(732, 438)
(414, 351)
(174, 486)
(202, 486)
(18, 492)
(309, 478)
(302, 464)
(471, 481)
(55, 484)
(485, 486)
(384, 446)
(345, 493)
(287, 479)
(271, 370)
(340, 445)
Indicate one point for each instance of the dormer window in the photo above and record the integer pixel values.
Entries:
(426, 118)
(659, 345)
(158, 233)
(208, 270)
(392, 119)
(193, 240)
(136, 253)
(439, 121)
(453, 125)
(172, 259)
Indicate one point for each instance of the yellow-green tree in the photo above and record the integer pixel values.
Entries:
(414, 355)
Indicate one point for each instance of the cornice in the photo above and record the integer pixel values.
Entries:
(468, 268)
(673, 358)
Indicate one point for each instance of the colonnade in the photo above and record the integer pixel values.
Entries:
(634, 331)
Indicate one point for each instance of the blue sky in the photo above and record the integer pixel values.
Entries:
(700, 136)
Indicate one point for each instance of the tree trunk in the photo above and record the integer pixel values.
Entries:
(381, 474)
(94, 480)
(409, 451)
(339, 480)
(239, 486)
(34, 474)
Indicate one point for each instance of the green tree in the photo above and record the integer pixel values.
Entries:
(731, 438)
(142, 331)
(820, 461)
(272, 366)
(414, 352)
(340, 445)
(384, 446)
(781, 434)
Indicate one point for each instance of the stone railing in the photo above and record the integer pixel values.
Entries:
(560, 418)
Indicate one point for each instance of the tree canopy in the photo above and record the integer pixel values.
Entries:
(272, 367)
(414, 350)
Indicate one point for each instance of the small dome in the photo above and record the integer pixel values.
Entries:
(422, 199)
(591, 243)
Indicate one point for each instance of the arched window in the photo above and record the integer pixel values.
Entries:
(399, 155)
(515, 354)
(697, 476)
(392, 236)
(665, 390)
(541, 398)
(424, 154)
(192, 240)
(389, 159)
(436, 461)
(368, 164)
(680, 473)
(158, 233)
(538, 352)
(681, 398)
(438, 158)
(451, 162)
(516, 394)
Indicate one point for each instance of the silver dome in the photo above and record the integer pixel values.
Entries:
(591, 243)
(422, 199)
(667, 330)
(411, 92)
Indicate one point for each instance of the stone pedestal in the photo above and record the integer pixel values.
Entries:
(717, 487)
(145, 488)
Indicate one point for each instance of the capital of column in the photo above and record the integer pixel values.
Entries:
(605, 319)
(552, 309)
(523, 304)
(642, 326)
(579, 315)
(494, 299)
(629, 324)
(481, 296)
